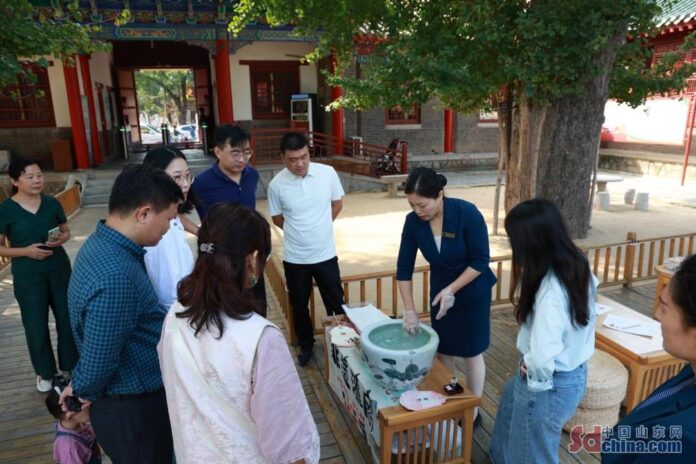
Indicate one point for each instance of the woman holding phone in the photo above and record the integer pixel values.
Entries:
(36, 227)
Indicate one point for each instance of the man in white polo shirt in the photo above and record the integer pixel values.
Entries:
(303, 200)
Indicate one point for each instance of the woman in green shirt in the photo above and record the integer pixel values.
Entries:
(40, 267)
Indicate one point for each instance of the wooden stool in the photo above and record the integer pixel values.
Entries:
(607, 379)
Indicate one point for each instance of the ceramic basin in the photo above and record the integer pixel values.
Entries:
(398, 361)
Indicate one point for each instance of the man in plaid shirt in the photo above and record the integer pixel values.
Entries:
(116, 319)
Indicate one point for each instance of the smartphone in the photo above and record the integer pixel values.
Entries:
(73, 403)
(53, 234)
(44, 247)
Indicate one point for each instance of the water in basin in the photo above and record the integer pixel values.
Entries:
(393, 337)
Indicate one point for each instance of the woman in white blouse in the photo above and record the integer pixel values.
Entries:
(554, 293)
(233, 392)
(171, 259)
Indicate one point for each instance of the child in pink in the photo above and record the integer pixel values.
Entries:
(75, 440)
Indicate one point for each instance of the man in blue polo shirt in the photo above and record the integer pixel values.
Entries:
(230, 179)
(117, 320)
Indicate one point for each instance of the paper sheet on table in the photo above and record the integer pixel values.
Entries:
(602, 308)
(363, 316)
(631, 326)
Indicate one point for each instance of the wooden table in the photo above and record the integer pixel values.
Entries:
(646, 371)
(416, 436)
(664, 275)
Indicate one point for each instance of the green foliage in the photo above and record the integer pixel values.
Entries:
(27, 35)
(158, 89)
(462, 51)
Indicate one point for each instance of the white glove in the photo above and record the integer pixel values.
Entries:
(446, 300)
(410, 321)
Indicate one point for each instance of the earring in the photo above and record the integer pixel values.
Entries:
(254, 280)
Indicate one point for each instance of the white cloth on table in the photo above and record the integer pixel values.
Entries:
(168, 262)
(264, 415)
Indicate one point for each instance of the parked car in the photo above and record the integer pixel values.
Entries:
(190, 131)
(149, 135)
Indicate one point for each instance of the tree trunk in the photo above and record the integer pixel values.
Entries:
(504, 134)
(554, 147)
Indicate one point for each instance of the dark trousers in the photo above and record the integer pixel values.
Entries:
(35, 294)
(134, 429)
(299, 279)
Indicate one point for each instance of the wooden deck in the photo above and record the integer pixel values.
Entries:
(27, 430)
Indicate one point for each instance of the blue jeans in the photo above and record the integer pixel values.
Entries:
(528, 425)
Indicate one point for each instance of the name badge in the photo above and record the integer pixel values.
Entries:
(448, 235)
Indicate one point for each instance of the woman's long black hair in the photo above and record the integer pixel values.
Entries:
(160, 157)
(541, 243)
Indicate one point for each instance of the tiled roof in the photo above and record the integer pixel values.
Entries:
(683, 11)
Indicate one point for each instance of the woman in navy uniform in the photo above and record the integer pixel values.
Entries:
(452, 236)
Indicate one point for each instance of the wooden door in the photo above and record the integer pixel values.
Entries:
(201, 82)
(128, 102)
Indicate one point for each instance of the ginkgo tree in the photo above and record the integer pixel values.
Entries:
(547, 66)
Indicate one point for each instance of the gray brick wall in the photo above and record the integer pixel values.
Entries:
(34, 142)
(429, 138)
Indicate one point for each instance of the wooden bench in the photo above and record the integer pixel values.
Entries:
(393, 181)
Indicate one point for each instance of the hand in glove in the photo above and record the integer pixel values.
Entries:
(410, 321)
(446, 300)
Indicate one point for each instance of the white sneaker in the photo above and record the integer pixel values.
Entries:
(44, 386)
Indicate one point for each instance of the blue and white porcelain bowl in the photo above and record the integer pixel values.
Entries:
(398, 361)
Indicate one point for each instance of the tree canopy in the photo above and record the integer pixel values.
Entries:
(27, 35)
(546, 66)
(462, 51)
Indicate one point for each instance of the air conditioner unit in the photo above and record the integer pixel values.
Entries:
(357, 145)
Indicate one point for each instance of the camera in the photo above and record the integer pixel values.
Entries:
(60, 382)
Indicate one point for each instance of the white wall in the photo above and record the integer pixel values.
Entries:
(658, 120)
(100, 67)
(271, 51)
(59, 94)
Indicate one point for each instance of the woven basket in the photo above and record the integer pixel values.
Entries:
(588, 418)
(607, 380)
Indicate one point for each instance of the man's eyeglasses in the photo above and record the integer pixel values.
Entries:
(183, 179)
(238, 154)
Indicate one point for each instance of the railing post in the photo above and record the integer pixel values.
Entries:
(204, 136)
(164, 128)
(124, 141)
(404, 158)
(629, 261)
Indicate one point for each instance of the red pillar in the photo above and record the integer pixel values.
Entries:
(89, 91)
(449, 131)
(224, 81)
(336, 116)
(72, 86)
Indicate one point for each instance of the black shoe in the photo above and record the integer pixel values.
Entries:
(477, 420)
(305, 356)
